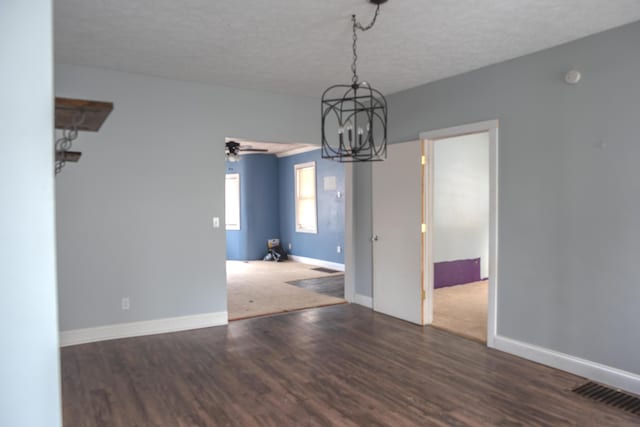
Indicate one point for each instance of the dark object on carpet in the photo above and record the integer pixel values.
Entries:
(608, 396)
(451, 273)
(276, 253)
(325, 270)
(329, 285)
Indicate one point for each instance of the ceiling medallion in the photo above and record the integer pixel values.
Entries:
(354, 116)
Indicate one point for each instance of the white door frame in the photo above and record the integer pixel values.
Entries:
(349, 237)
(428, 139)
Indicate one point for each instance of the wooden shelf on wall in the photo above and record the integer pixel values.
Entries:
(68, 156)
(96, 112)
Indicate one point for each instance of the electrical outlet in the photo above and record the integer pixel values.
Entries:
(216, 222)
(126, 303)
(339, 249)
(289, 246)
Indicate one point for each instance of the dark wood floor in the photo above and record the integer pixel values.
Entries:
(342, 365)
(326, 285)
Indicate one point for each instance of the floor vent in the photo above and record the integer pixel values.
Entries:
(617, 399)
(326, 270)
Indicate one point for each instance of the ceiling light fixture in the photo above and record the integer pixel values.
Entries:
(232, 151)
(355, 114)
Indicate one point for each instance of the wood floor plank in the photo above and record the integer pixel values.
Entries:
(342, 365)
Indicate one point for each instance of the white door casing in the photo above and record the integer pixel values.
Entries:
(429, 137)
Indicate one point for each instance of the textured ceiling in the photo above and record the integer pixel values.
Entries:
(303, 46)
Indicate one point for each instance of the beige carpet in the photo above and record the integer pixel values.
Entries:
(257, 288)
(462, 309)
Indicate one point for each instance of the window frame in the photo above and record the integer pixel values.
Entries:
(227, 226)
(299, 227)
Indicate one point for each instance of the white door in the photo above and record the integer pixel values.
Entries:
(397, 236)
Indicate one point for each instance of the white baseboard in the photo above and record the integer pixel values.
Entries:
(363, 300)
(318, 262)
(147, 327)
(585, 368)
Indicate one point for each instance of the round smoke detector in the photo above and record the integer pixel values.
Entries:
(572, 77)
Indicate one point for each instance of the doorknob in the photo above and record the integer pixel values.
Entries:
(374, 238)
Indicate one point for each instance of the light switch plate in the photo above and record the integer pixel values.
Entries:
(216, 222)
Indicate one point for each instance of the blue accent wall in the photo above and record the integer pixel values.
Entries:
(259, 210)
(322, 245)
(267, 208)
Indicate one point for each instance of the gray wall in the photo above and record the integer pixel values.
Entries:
(362, 225)
(134, 216)
(461, 199)
(29, 360)
(569, 185)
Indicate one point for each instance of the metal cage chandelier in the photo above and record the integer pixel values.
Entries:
(354, 116)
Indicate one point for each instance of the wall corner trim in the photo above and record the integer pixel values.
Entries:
(147, 327)
(317, 262)
(295, 151)
(363, 300)
(585, 368)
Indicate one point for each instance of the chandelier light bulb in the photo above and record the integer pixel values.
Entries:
(360, 133)
(350, 131)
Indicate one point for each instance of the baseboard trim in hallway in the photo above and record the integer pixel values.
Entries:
(585, 368)
(363, 300)
(317, 262)
(146, 327)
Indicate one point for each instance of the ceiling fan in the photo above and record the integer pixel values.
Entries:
(233, 149)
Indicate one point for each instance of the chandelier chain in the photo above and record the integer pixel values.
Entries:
(354, 116)
(358, 26)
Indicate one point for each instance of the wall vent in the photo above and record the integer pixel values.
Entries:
(615, 398)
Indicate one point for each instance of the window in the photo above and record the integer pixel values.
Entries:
(306, 213)
(232, 201)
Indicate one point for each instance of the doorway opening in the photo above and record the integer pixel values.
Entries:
(460, 234)
(460, 216)
(284, 223)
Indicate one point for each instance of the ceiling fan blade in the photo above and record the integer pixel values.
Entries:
(255, 150)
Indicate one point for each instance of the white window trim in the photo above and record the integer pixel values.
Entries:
(299, 228)
(234, 227)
